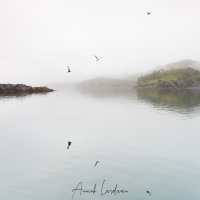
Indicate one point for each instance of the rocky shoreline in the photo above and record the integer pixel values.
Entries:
(171, 85)
(21, 88)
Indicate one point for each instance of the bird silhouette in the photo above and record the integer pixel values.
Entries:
(148, 192)
(148, 13)
(69, 143)
(68, 69)
(97, 59)
(96, 163)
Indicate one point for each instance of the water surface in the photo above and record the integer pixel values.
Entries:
(144, 141)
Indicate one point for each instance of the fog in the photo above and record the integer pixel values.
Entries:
(40, 38)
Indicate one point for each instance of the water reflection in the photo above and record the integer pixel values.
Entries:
(139, 149)
(180, 101)
(17, 95)
(109, 93)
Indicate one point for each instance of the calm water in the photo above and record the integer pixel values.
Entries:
(144, 140)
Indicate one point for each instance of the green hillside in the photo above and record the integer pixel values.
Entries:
(177, 78)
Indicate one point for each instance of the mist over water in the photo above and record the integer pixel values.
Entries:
(36, 49)
(143, 140)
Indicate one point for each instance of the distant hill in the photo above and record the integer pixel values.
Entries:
(162, 76)
(181, 64)
(171, 78)
(103, 82)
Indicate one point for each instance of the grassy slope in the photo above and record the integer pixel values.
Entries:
(184, 75)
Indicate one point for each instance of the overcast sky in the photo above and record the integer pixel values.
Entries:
(40, 38)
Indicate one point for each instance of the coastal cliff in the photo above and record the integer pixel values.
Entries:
(21, 88)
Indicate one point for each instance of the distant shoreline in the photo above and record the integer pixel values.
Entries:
(184, 74)
(168, 87)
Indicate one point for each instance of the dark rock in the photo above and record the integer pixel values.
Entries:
(21, 88)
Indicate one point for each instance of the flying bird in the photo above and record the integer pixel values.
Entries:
(68, 69)
(96, 163)
(97, 59)
(148, 13)
(148, 192)
(69, 143)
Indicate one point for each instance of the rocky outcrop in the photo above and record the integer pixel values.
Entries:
(21, 88)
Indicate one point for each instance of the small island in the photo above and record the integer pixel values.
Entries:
(21, 88)
(176, 78)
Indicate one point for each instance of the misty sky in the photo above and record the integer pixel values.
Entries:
(40, 38)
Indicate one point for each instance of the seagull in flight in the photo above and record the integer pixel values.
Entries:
(96, 163)
(149, 192)
(68, 69)
(97, 59)
(148, 13)
(69, 143)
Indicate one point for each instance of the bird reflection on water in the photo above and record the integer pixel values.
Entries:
(69, 144)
